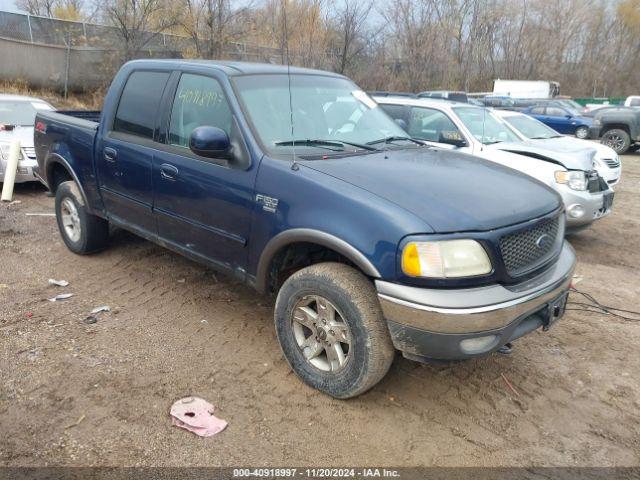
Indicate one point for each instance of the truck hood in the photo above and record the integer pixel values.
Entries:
(24, 134)
(569, 157)
(451, 192)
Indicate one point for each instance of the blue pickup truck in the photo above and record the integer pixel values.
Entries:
(298, 184)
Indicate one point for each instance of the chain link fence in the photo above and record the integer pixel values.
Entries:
(60, 54)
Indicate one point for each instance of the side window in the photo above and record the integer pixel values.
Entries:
(394, 111)
(138, 106)
(199, 101)
(431, 125)
(537, 110)
(635, 102)
(556, 112)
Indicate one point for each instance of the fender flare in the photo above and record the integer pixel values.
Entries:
(55, 158)
(296, 235)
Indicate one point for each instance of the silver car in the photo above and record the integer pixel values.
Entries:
(528, 128)
(17, 116)
(479, 132)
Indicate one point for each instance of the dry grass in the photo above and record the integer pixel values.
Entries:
(84, 101)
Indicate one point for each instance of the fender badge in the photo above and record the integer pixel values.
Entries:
(269, 204)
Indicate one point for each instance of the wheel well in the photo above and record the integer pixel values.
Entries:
(611, 126)
(57, 174)
(296, 256)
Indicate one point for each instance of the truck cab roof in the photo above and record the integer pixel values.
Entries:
(230, 68)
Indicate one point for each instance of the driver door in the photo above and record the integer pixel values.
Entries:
(203, 205)
(435, 128)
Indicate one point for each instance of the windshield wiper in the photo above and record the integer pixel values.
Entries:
(395, 139)
(493, 142)
(324, 143)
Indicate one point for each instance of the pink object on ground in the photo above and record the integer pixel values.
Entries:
(196, 415)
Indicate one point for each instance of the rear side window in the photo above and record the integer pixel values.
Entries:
(138, 107)
(537, 110)
(199, 101)
(556, 112)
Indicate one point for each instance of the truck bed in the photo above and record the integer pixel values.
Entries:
(91, 115)
(68, 137)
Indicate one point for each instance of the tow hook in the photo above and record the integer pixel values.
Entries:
(506, 349)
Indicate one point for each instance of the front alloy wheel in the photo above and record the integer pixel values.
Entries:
(331, 329)
(321, 333)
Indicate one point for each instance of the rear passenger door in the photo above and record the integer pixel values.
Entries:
(125, 156)
(203, 205)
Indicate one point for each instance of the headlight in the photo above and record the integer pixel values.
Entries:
(4, 150)
(575, 179)
(5, 147)
(445, 259)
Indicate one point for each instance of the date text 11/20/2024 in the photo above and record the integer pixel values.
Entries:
(316, 473)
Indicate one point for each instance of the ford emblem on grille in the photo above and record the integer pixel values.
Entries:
(544, 241)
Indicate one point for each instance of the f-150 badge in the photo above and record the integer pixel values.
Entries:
(269, 204)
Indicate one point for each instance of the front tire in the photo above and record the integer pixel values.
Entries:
(582, 132)
(331, 329)
(617, 139)
(81, 232)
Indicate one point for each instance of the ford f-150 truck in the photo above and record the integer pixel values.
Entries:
(297, 183)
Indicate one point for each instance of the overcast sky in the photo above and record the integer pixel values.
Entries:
(8, 6)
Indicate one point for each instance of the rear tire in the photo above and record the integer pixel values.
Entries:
(328, 308)
(582, 132)
(81, 232)
(617, 139)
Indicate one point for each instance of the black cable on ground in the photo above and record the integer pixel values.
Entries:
(596, 307)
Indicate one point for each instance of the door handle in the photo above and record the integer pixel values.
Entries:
(110, 154)
(168, 171)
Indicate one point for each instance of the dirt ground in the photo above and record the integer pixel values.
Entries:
(99, 394)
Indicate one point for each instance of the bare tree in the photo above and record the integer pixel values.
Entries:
(352, 31)
(139, 22)
(43, 8)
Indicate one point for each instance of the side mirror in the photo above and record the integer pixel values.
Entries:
(452, 138)
(568, 115)
(211, 142)
(401, 123)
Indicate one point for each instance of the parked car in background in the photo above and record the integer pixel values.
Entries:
(561, 119)
(530, 129)
(392, 94)
(452, 96)
(17, 117)
(369, 239)
(499, 101)
(617, 127)
(478, 131)
(632, 101)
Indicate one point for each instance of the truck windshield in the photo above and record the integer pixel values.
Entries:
(484, 126)
(19, 112)
(530, 127)
(325, 109)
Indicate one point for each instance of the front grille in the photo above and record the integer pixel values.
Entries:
(595, 183)
(528, 249)
(29, 152)
(611, 162)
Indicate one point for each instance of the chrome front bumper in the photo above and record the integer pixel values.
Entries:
(423, 320)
